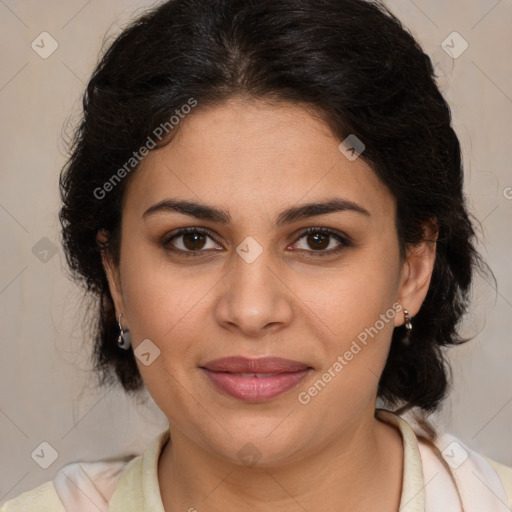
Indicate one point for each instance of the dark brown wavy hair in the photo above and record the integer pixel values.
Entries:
(351, 60)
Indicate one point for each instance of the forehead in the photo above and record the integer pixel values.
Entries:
(244, 153)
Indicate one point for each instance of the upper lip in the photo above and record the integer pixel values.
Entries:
(238, 364)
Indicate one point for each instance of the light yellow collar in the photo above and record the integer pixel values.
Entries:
(413, 489)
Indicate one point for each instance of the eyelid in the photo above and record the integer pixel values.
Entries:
(341, 237)
(183, 231)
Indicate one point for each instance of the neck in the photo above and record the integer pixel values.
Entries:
(358, 471)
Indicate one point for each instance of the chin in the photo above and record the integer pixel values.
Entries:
(266, 444)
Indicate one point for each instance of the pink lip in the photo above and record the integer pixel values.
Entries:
(226, 374)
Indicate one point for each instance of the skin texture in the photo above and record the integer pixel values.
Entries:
(253, 160)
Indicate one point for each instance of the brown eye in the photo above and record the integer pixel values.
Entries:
(322, 242)
(193, 240)
(318, 241)
(190, 242)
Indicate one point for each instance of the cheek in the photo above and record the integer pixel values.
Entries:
(156, 310)
(160, 297)
(352, 298)
(358, 309)
(166, 307)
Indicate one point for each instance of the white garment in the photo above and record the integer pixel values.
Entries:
(427, 486)
(131, 484)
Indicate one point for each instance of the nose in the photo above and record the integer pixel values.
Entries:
(253, 298)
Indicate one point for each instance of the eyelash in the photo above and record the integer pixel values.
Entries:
(343, 239)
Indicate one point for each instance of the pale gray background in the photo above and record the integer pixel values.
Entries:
(47, 392)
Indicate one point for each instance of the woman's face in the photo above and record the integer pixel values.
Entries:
(256, 286)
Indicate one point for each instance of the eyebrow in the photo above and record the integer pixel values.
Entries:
(295, 213)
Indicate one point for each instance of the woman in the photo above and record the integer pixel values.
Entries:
(266, 199)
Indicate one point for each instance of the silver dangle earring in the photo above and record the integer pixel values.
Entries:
(124, 339)
(408, 326)
(407, 320)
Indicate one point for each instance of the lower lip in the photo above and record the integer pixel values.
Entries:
(255, 389)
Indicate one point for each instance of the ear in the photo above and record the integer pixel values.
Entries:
(417, 272)
(112, 273)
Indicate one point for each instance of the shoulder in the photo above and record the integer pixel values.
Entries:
(452, 472)
(75, 487)
(43, 498)
(480, 480)
(121, 484)
(505, 475)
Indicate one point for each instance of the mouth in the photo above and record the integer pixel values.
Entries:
(254, 380)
